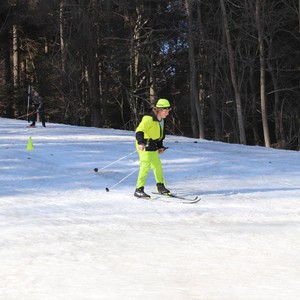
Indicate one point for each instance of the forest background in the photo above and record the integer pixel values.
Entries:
(231, 69)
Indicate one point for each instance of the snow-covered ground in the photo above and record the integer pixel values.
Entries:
(62, 236)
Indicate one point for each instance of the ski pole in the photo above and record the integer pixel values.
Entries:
(27, 115)
(115, 161)
(107, 189)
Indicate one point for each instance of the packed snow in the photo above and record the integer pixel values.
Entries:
(64, 237)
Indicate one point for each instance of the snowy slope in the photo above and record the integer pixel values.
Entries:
(64, 237)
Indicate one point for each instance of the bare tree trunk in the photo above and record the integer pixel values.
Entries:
(263, 100)
(94, 90)
(15, 57)
(62, 55)
(233, 76)
(152, 97)
(214, 109)
(279, 132)
(61, 35)
(16, 67)
(134, 67)
(194, 96)
(299, 15)
(253, 107)
(151, 88)
(6, 99)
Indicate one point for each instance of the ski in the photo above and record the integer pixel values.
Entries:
(171, 195)
(178, 198)
(166, 200)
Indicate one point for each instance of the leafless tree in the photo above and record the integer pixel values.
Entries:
(233, 74)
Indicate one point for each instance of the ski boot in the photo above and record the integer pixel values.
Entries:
(139, 192)
(162, 189)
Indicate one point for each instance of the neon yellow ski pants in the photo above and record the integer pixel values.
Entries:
(149, 159)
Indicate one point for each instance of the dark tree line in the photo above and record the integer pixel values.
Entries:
(231, 69)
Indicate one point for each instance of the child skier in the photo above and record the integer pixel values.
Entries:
(150, 134)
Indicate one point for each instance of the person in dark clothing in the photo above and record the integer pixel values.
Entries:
(38, 107)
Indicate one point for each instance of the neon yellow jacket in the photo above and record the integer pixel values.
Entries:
(150, 132)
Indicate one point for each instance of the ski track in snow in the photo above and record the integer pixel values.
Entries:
(64, 237)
